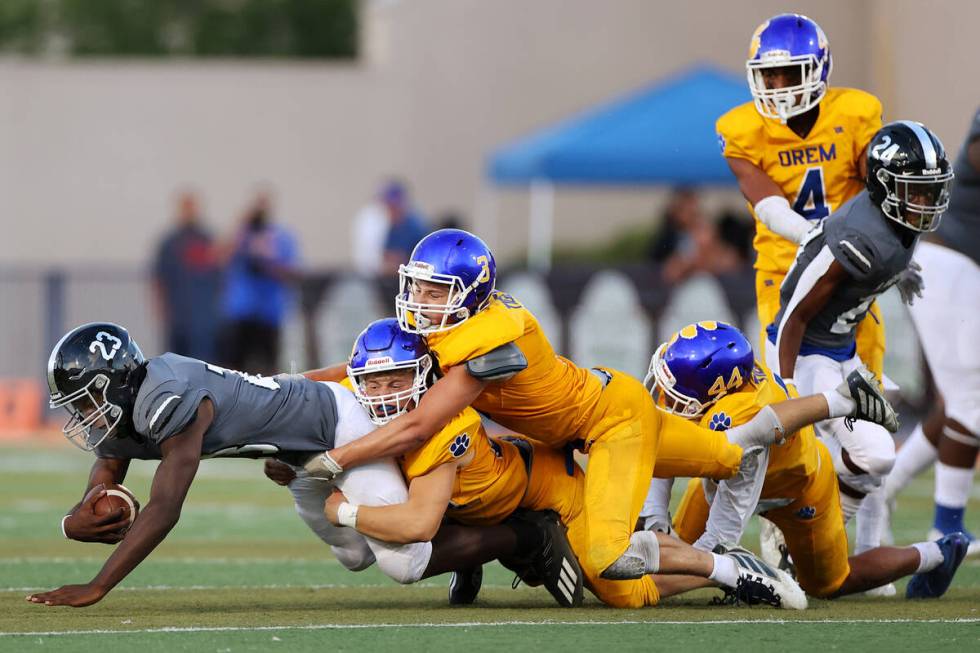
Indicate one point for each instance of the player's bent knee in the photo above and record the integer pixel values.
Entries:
(878, 465)
(406, 564)
(353, 560)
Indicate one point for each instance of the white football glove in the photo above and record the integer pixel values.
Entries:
(323, 467)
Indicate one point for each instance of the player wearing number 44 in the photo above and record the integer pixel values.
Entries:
(179, 410)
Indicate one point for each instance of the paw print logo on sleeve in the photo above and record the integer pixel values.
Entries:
(720, 422)
(459, 445)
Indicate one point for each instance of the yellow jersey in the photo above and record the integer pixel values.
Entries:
(817, 174)
(491, 479)
(551, 400)
(795, 458)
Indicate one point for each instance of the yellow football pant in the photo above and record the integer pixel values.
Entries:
(550, 487)
(870, 332)
(813, 524)
(627, 439)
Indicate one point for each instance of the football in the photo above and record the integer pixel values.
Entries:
(117, 496)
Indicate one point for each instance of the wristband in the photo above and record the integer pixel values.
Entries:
(63, 531)
(347, 514)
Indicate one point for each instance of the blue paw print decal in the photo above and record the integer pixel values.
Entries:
(459, 446)
(720, 422)
(806, 512)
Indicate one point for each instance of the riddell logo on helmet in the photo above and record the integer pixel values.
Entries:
(374, 362)
(931, 171)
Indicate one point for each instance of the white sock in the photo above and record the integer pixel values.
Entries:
(953, 485)
(913, 458)
(930, 556)
(871, 517)
(849, 506)
(838, 404)
(724, 572)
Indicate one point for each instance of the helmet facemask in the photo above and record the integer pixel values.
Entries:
(90, 420)
(384, 407)
(661, 385)
(418, 317)
(916, 201)
(784, 103)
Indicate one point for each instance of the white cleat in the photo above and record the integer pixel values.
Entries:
(883, 591)
(770, 537)
(760, 583)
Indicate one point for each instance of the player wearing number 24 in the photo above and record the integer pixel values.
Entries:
(798, 152)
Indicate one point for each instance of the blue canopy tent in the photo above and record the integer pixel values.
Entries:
(661, 134)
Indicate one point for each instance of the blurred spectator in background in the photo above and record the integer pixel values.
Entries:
(260, 270)
(368, 235)
(186, 282)
(687, 244)
(451, 219)
(736, 230)
(406, 227)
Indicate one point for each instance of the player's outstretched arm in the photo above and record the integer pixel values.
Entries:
(416, 520)
(790, 335)
(767, 200)
(442, 402)
(181, 455)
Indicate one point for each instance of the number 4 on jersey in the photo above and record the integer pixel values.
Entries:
(810, 202)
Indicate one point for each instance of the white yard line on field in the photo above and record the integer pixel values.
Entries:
(481, 624)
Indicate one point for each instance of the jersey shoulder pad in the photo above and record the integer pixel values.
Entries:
(165, 403)
(741, 133)
(851, 247)
(857, 103)
(451, 442)
(492, 327)
(498, 364)
(733, 409)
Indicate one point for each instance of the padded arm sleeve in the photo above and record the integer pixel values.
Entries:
(775, 212)
(499, 364)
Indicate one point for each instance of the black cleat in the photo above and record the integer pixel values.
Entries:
(863, 388)
(554, 564)
(465, 585)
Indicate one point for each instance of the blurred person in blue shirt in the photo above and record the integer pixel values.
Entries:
(186, 279)
(406, 226)
(261, 269)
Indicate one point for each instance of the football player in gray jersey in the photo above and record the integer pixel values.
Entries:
(842, 265)
(945, 319)
(179, 410)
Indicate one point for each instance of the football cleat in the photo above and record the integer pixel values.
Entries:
(884, 591)
(554, 564)
(758, 583)
(862, 386)
(465, 585)
(770, 538)
(972, 551)
(933, 584)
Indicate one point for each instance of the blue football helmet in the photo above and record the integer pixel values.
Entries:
(698, 366)
(384, 347)
(454, 258)
(783, 41)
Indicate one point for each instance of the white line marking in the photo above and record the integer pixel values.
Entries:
(487, 624)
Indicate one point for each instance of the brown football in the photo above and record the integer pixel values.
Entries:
(117, 496)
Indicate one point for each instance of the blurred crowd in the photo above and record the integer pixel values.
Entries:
(226, 299)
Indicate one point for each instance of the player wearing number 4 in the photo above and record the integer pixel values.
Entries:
(798, 153)
(179, 410)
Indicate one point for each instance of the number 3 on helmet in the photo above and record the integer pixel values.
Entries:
(453, 258)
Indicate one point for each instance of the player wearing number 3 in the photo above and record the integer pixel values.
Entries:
(798, 153)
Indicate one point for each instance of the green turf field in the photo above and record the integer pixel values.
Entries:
(240, 572)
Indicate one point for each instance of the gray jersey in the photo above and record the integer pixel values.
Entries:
(960, 225)
(866, 244)
(287, 416)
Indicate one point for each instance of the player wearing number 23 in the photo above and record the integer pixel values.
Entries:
(797, 151)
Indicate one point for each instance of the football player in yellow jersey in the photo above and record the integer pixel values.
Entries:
(798, 152)
(496, 358)
(462, 474)
(708, 373)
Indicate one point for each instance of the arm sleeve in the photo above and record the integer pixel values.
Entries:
(734, 502)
